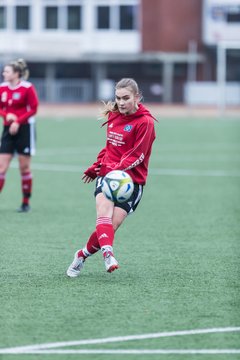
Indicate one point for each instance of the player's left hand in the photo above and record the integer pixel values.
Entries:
(14, 127)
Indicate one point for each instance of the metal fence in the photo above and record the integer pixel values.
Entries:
(64, 91)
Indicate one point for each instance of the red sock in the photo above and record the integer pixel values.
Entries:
(105, 231)
(26, 186)
(2, 181)
(91, 247)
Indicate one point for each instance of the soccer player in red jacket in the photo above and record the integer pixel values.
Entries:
(130, 135)
(18, 104)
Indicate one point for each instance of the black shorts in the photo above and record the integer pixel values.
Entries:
(129, 206)
(23, 142)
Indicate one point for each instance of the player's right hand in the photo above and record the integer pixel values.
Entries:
(11, 117)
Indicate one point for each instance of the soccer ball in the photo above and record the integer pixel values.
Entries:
(117, 186)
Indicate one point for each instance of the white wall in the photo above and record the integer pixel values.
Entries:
(209, 93)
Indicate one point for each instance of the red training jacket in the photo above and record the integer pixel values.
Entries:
(128, 146)
(20, 100)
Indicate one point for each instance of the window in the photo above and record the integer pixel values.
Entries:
(22, 17)
(74, 17)
(103, 17)
(233, 17)
(51, 17)
(73, 70)
(128, 17)
(2, 17)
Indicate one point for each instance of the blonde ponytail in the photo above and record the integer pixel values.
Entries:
(108, 107)
(20, 66)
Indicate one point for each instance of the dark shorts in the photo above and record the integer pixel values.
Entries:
(129, 206)
(22, 143)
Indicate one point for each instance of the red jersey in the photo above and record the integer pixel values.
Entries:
(20, 100)
(128, 146)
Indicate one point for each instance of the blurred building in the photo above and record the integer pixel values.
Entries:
(78, 49)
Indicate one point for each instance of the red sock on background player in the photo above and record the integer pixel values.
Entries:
(2, 181)
(26, 187)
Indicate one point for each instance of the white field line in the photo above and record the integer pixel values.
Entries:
(39, 348)
(156, 172)
(233, 146)
(132, 352)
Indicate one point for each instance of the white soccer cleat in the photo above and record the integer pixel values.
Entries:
(76, 266)
(111, 263)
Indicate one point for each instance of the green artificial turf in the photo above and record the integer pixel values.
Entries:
(178, 254)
